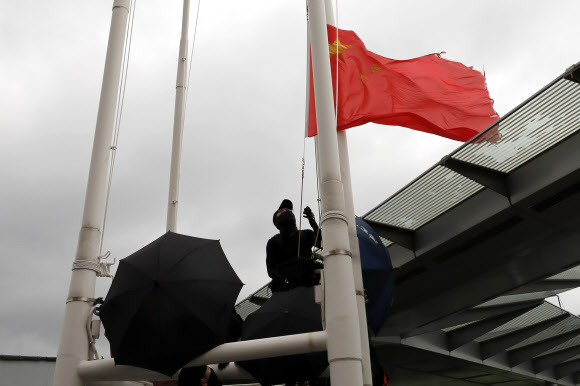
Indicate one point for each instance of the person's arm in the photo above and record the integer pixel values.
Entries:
(271, 263)
(309, 215)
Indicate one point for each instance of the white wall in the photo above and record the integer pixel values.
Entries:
(26, 373)
(39, 373)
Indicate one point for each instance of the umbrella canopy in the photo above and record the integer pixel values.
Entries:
(377, 272)
(169, 302)
(285, 313)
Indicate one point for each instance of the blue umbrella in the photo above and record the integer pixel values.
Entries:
(377, 272)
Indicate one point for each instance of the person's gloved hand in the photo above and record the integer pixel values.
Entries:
(308, 214)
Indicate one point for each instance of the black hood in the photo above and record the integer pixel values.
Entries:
(285, 222)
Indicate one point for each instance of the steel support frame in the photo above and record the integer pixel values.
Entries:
(526, 353)
(401, 236)
(494, 346)
(546, 286)
(491, 179)
(435, 344)
(567, 368)
(473, 314)
(452, 235)
(544, 362)
(463, 335)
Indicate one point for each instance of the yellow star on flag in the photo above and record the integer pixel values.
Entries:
(375, 69)
(363, 77)
(337, 46)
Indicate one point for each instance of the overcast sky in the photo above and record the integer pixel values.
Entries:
(244, 125)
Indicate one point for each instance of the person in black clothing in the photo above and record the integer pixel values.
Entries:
(198, 376)
(282, 249)
(204, 375)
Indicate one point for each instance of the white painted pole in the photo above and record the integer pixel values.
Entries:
(342, 322)
(105, 369)
(74, 342)
(349, 205)
(178, 118)
(356, 264)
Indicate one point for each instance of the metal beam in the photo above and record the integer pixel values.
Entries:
(573, 73)
(490, 275)
(576, 378)
(471, 315)
(106, 370)
(401, 236)
(546, 286)
(494, 346)
(522, 354)
(466, 334)
(567, 368)
(544, 362)
(491, 179)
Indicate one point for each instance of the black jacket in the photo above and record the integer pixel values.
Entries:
(282, 248)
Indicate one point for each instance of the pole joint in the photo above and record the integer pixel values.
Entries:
(336, 252)
(85, 299)
(345, 359)
(333, 214)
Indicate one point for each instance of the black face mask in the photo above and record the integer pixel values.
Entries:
(286, 222)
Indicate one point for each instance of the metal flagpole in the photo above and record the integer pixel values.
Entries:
(353, 238)
(74, 342)
(342, 322)
(356, 264)
(180, 90)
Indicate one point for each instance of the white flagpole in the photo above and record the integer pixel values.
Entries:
(178, 118)
(342, 322)
(356, 264)
(353, 238)
(74, 342)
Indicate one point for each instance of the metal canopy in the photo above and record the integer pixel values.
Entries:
(539, 343)
(503, 227)
(481, 239)
(485, 235)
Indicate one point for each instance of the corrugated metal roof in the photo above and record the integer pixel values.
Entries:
(245, 308)
(252, 302)
(534, 127)
(545, 121)
(571, 323)
(519, 298)
(571, 274)
(431, 195)
(539, 314)
(566, 345)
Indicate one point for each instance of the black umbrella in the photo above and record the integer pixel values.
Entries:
(169, 302)
(285, 313)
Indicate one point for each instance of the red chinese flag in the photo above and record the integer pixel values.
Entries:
(428, 93)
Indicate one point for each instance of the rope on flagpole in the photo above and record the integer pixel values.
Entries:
(191, 57)
(119, 114)
(337, 43)
(306, 124)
